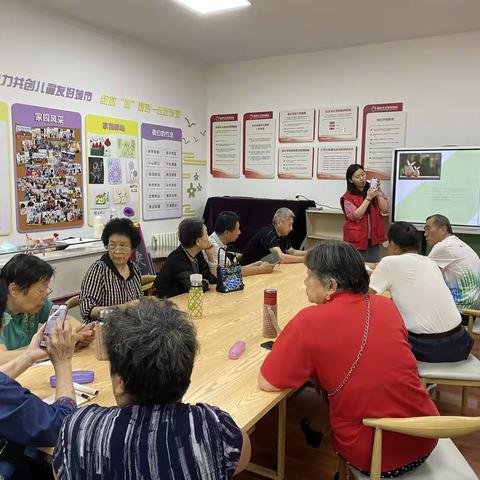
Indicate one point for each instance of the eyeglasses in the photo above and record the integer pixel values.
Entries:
(43, 293)
(121, 248)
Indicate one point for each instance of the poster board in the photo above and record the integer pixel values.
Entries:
(225, 146)
(161, 172)
(5, 177)
(48, 168)
(259, 145)
(113, 168)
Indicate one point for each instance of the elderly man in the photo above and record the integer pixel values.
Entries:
(227, 230)
(458, 262)
(274, 240)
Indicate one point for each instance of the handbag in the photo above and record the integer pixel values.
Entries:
(229, 276)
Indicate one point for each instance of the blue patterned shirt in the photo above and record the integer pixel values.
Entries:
(164, 442)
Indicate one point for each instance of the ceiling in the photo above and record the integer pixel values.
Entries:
(270, 27)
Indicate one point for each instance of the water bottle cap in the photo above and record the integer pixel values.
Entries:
(196, 278)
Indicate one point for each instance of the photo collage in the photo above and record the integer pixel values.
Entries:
(49, 177)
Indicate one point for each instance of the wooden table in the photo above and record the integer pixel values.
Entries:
(229, 384)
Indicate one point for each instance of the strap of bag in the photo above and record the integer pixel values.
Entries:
(359, 354)
(235, 259)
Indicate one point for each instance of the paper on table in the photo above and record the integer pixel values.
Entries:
(84, 389)
(42, 363)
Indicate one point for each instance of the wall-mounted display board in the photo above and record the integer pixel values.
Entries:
(295, 162)
(48, 168)
(161, 172)
(113, 175)
(338, 124)
(259, 145)
(333, 161)
(225, 145)
(384, 127)
(296, 126)
(5, 177)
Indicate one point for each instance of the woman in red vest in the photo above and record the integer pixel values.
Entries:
(362, 205)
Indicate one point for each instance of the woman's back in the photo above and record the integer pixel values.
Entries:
(176, 441)
(325, 339)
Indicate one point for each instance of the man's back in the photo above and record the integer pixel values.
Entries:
(419, 292)
(174, 442)
(460, 266)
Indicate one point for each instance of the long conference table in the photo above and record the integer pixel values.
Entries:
(228, 384)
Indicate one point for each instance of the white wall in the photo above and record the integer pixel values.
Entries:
(437, 78)
(46, 47)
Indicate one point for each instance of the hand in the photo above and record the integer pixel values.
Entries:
(86, 335)
(34, 351)
(61, 342)
(372, 193)
(266, 267)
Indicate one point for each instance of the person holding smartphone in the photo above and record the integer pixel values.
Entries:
(27, 278)
(363, 205)
(25, 420)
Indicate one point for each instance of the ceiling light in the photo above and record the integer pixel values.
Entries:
(211, 6)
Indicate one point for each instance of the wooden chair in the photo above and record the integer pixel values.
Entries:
(473, 322)
(445, 462)
(73, 302)
(464, 374)
(147, 282)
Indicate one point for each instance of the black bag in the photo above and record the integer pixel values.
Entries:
(229, 277)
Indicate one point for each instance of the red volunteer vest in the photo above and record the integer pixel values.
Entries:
(356, 232)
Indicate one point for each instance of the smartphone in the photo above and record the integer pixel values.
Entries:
(267, 345)
(373, 183)
(57, 312)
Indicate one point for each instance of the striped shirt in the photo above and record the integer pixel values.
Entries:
(103, 286)
(163, 442)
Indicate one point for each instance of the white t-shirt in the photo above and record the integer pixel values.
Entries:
(460, 266)
(419, 292)
(217, 244)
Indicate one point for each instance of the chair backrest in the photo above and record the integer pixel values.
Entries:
(73, 302)
(146, 279)
(426, 427)
(472, 316)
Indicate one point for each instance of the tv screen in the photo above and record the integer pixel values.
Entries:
(426, 181)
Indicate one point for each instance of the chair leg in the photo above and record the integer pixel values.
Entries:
(464, 400)
(342, 470)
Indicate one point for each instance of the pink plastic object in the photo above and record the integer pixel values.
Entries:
(236, 350)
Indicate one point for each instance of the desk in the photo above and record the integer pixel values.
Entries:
(256, 213)
(229, 384)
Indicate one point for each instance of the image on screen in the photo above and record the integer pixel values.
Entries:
(444, 181)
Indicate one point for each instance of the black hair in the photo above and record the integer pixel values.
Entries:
(151, 347)
(340, 261)
(226, 221)
(351, 187)
(189, 230)
(3, 298)
(441, 221)
(26, 270)
(121, 226)
(405, 235)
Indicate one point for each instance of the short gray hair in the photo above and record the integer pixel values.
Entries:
(441, 221)
(151, 347)
(282, 213)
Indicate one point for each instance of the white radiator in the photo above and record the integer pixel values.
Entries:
(165, 239)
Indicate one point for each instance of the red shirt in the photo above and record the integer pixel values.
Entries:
(323, 341)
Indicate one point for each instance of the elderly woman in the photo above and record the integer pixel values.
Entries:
(151, 434)
(25, 420)
(27, 278)
(114, 279)
(356, 347)
(174, 277)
